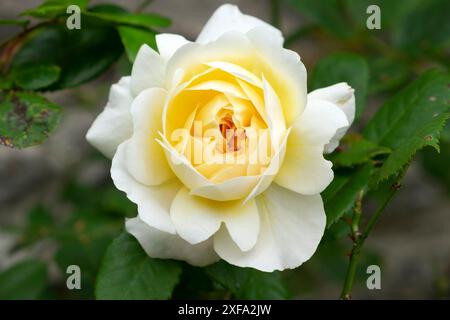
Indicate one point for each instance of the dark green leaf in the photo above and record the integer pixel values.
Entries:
(133, 38)
(355, 150)
(437, 163)
(33, 77)
(81, 54)
(343, 67)
(325, 13)
(195, 284)
(25, 280)
(248, 283)
(411, 120)
(144, 20)
(26, 119)
(53, 8)
(128, 273)
(108, 8)
(340, 196)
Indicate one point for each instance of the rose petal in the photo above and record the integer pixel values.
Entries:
(285, 72)
(153, 202)
(196, 219)
(274, 111)
(228, 18)
(304, 169)
(290, 230)
(159, 244)
(146, 161)
(148, 70)
(114, 124)
(341, 95)
(169, 43)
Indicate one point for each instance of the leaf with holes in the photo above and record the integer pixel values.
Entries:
(26, 119)
(127, 272)
(411, 120)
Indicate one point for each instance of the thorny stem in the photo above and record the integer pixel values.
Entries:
(358, 239)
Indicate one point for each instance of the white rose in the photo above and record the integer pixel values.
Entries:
(186, 132)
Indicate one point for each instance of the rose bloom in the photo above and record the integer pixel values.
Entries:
(221, 148)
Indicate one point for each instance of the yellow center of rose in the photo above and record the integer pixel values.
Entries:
(217, 120)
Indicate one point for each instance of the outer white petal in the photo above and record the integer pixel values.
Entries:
(304, 169)
(148, 70)
(159, 244)
(145, 158)
(153, 202)
(290, 231)
(228, 18)
(342, 95)
(169, 43)
(196, 219)
(114, 124)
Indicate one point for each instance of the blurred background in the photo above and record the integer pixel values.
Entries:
(58, 204)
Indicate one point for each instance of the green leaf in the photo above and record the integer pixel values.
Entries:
(355, 150)
(437, 164)
(325, 13)
(343, 67)
(26, 119)
(80, 54)
(133, 38)
(144, 20)
(411, 120)
(340, 196)
(25, 280)
(53, 8)
(33, 77)
(248, 283)
(128, 273)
